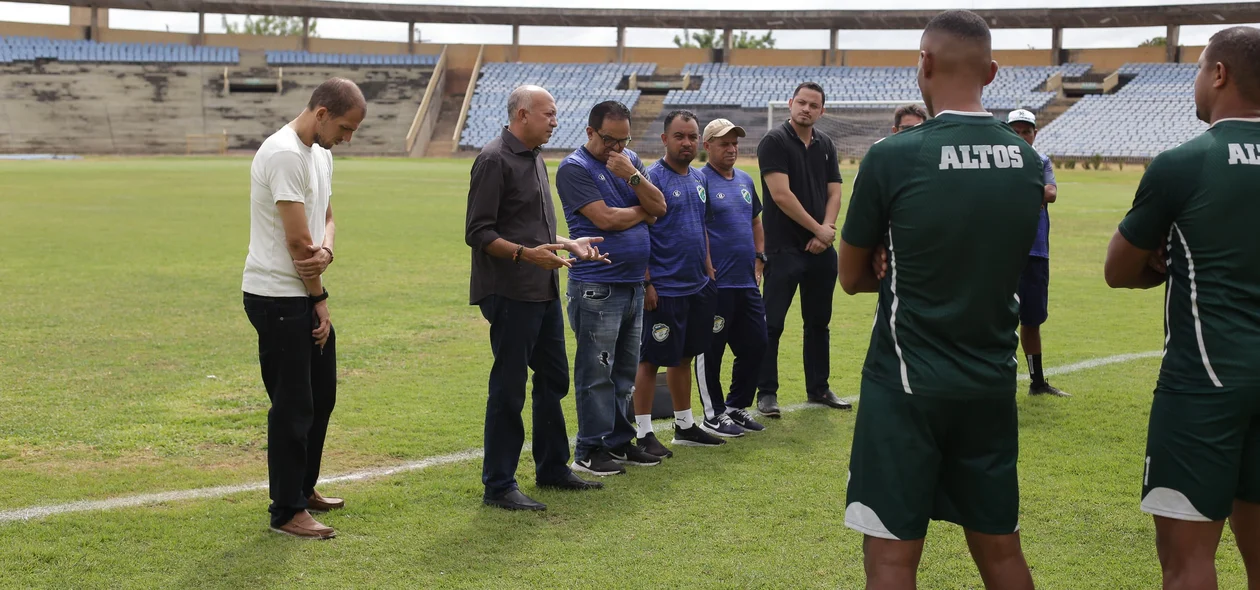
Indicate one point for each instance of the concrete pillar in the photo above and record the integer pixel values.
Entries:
(835, 43)
(1056, 46)
(411, 38)
(621, 44)
(1173, 41)
(201, 28)
(306, 33)
(96, 24)
(516, 43)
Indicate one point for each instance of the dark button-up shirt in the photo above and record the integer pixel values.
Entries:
(809, 170)
(509, 197)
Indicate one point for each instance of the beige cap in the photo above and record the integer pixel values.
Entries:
(720, 127)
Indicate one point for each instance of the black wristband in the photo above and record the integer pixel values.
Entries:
(321, 297)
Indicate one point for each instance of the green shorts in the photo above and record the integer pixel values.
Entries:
(917, 459)
(1202, 453)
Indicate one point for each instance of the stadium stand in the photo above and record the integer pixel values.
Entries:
(1152, 112)
(300, 58)
(577, 87)
(18, 49)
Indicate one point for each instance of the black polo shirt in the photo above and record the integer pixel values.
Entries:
(509, 197)
(809, 170)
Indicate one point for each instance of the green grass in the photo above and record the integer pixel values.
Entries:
(127, 366)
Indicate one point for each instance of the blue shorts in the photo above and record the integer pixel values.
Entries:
(1034, 291)
(679, 328)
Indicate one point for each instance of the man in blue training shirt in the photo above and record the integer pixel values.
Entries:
(1034, 283)
(737, 249)
(605, 193)
(678, 299)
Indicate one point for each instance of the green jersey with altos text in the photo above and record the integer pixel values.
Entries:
(1202, 201)
(956, 201)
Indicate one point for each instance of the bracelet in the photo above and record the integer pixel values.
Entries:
(516, 256)
(321, 297)
(330, 254)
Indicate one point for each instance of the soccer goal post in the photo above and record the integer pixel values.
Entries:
(853, 125)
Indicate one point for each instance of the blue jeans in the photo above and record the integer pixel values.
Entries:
(607, 319)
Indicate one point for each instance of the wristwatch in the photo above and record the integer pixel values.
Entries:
(321, 297)
(635, 179)
(762, 257)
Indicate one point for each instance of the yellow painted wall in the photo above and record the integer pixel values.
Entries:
(1106, 60)
(665, 57)
(1023, 57)
(50, 31)
(778, 57)
(878, 57)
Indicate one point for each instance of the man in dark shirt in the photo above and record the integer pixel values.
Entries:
(511, 227)
(801, 173)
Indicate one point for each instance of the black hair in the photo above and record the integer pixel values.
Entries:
(963, 24)
(338, 95)
(1239, 49)
(816, 87)
(683, 113)
(609, 109)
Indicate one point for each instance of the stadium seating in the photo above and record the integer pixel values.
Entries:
(1152, 112)
(577, 87)
(301, 58)
(752, 87)
(16, 49)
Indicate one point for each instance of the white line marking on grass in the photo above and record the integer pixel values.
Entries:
(34, 512)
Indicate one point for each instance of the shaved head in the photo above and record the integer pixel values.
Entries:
(1238, 48)
(955, 60)
(524, 98)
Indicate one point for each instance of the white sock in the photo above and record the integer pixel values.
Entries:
(644, 422)
(683, 418)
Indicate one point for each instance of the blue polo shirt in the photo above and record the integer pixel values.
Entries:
(733, 205)
(582, 180)
(678, 238)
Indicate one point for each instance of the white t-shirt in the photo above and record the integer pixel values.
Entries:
(284, 169)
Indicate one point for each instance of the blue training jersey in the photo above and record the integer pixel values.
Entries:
(1041, 245)
(679, 241)
(582, 180)
(733, 206)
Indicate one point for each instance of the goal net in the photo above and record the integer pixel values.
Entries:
(852, 125)
(206, 143)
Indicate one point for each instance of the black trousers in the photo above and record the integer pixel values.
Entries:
(816, 276)
(301, 381)
(523, 336)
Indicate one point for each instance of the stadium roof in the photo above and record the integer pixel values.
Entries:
(1022, 18)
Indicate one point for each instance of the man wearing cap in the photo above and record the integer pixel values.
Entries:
(737, 245)
(1034, 283)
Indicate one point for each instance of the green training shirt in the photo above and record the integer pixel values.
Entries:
(956, 201)
(1202, 200)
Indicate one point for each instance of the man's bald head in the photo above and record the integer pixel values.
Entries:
(524, 98)
(1238, 49)
(339, 96)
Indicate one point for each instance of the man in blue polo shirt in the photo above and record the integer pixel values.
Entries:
(678, 300)
(605, 193)
(1034, 283)
(737, 247)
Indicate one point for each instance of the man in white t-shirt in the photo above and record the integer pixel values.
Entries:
(290, 245)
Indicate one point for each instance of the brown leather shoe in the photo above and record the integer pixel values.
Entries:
(319, 504)
(303, 526)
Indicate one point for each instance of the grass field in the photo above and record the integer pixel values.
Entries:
(127, 366)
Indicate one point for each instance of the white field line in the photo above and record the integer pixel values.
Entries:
(35, 512)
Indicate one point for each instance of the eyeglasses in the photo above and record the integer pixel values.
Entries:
(612, 142)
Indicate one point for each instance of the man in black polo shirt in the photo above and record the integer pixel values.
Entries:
(801, 173)
(511, 227)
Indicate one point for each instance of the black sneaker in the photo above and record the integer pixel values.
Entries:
(648, 444)
(768, 405)
(695, 437)
(721, 426)
(598, 463)
(629, 454)
(744, 420)
(1045, 388)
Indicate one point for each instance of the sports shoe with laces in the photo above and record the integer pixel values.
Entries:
(695, 437)
(722, 426)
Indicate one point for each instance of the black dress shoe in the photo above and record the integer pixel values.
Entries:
(768, 405)
(829, 399)
(515, 500)
(572, 482)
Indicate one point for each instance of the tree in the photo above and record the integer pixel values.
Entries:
(274, 26)
(712, 39)
(1154, 42)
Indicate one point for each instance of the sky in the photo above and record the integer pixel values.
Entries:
(494, 34)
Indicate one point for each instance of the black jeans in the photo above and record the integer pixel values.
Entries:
(301, 382)
(523, 336)
(816, 275)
